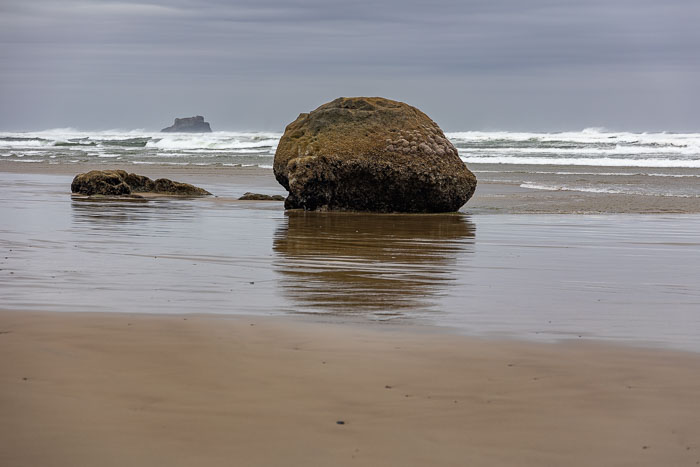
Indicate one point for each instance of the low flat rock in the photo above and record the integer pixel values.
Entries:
(121, 183)
(260, 197)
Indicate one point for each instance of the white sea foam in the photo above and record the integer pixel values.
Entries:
(617, 191)
(592, 161)
(588, 151)
(611, 174)
(538, 186)
(589, 147)
(35, 143)
(588, 136)
(233, 150)
(208, 143)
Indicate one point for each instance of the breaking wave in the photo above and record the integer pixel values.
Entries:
(589, 147)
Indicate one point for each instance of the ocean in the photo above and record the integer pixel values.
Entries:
(592, 160)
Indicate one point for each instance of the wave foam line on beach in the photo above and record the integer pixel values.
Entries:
(610, 191)
(593, 161)
(604, 174)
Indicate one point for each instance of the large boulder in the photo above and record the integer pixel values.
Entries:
(370, 154)
(188, 125)
(119, 182)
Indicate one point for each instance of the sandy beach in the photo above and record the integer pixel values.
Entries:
(118, 389)
(379, 234)
(457, 339)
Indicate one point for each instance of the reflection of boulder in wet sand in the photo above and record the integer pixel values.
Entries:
(370, 154)
(119, 183)
(386, 264)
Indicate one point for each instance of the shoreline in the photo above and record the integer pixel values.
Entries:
(360, 324)
(498, 197)
(266, 391)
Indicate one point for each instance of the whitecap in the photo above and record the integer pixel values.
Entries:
(614, 191)
(592, 161)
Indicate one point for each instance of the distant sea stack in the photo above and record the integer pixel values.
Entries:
(370, 154)
(189, 125)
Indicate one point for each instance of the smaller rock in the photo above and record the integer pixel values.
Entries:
(259, 197)
(164, 185)
(101, 182)
(121, 183)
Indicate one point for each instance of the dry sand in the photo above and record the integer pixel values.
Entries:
(146, 390)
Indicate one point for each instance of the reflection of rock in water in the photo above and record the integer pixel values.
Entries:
(385, 264)
(138, 217)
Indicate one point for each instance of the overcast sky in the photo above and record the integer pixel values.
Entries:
(541, 65)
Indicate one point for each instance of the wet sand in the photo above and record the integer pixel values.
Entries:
(117, 389)
(247, 388)
(544, 277)
(496, 193)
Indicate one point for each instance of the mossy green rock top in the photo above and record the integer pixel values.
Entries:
(370, 154)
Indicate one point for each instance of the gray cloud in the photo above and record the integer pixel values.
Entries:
(508, 64)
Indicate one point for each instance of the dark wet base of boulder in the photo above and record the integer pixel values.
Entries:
(110, 183)
(260, 197)
(359, 202)
(376, 188)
